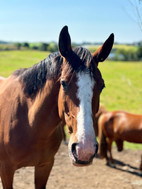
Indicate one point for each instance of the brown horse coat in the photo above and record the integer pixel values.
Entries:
(122, 125)
(118, 126)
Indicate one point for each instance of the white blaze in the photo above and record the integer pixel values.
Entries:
(85, 130)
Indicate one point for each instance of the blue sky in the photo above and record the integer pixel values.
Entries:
(88, 20)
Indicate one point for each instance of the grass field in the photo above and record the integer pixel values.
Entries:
(123, 80)
(123, 89)
(123, 86)
(12, 60)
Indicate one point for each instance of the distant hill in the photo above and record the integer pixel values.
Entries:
(4, 42)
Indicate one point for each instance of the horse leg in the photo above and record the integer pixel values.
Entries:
(141, 164)
(6, 173)
(109, 149)
(41, 175)
(109, 145)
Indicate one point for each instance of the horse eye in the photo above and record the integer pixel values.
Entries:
(64, 85)
(70, 130)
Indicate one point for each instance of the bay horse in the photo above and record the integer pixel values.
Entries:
(118, 126)
(64, 87)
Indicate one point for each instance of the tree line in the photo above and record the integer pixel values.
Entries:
(52, 47)
(118, 53)
(127, 54)
(124, 52)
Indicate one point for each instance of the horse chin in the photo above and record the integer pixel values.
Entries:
(81, 163)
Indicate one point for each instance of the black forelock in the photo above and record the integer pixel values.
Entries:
(80, 59)
(84, 55)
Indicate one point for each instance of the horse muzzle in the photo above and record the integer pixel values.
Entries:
(84, 159)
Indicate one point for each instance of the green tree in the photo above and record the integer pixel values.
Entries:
(34, 47)
(125, 54)
(18, 46)
(139, 52)
(25, 44)
(43, 46)
(52, 47)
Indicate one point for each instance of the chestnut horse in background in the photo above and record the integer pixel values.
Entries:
(64, 87)
(118, 126)
(96, 117)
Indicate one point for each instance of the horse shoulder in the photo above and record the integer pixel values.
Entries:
(13, 107)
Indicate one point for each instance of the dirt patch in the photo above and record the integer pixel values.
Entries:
(64, 175)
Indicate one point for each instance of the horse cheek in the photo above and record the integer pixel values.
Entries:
(61, 108)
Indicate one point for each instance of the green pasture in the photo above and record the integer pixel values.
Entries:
(123, 80)
(123, 90)
(13, 60)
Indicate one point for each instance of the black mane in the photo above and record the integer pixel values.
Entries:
(80, 59)
(35, 77)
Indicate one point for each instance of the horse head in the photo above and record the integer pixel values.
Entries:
(80, 86)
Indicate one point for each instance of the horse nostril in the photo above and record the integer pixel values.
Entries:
(96, 150)
(83, 158)
(73, 149)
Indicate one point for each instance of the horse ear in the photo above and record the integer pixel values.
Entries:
(102, 53)
(65, 42)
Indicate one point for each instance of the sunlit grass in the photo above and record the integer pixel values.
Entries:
(134, 146)
(123, 86)
(130, 145)
(13, 60)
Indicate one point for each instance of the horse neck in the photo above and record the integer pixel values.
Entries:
(44, 109)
